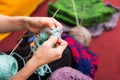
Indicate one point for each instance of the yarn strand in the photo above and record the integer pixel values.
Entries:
(15, 47)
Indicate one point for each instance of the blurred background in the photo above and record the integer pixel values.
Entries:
(106, 45)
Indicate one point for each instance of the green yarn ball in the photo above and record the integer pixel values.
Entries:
(8, 66)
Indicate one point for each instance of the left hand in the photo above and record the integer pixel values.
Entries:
(33, 24)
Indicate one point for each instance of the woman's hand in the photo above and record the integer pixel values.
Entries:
(33, 24)
(46, 53)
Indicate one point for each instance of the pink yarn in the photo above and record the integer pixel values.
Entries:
(68, 73)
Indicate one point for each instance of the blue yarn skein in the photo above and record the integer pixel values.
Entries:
(8, 66)
(45, 33)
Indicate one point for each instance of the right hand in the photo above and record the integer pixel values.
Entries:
(46, 53)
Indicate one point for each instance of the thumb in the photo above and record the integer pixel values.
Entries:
(63, 45)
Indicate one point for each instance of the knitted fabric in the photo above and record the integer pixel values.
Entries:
(95, 13)
(84, 60)
(68, 73)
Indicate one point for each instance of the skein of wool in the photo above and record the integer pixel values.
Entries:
(81, 34)
(68, 73)
(8, 66)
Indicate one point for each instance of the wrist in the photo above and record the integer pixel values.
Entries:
(21, 22)
(24, 21)
(37, 62)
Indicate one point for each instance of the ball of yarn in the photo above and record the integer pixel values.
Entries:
(81, 34)
(68, 73)
(8, 66)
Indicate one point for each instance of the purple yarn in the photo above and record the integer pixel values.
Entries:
(68, 73)
(110, 24)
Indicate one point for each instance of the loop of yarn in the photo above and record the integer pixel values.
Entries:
(8, 66)
(44, 34)
(43, 70)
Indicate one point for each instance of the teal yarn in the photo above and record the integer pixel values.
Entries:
(43, 70)
(44, 34)
(57, 32)
(22, 58)
(8, 66)
(43, 37)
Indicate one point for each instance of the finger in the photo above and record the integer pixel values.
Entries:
(57, 24)
(51, 24)
(62, 44)
(47, 22)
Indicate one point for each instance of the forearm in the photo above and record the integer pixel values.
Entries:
(27, 70)
(10, 24)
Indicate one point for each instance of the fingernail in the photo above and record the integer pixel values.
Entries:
(63, 44)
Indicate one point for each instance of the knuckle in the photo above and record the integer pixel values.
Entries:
(50, 22)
